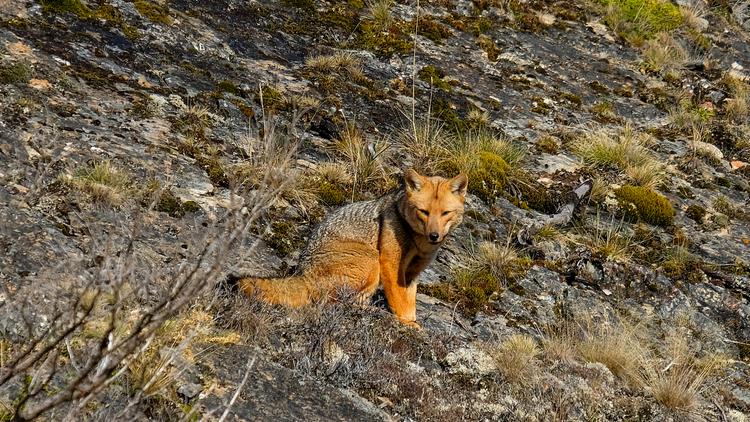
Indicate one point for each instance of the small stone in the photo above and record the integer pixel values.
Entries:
(189, 390)
(600, 29)
(405, 100)
(737, 164)
(708, 150)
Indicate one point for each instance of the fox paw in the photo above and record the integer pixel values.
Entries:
(412, 324)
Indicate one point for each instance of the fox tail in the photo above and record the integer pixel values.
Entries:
(291, 291)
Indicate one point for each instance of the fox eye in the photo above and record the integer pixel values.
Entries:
(423, 212)
(446, 213)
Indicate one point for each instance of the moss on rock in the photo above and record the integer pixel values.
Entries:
(14, 73)
(331, 194)
(156, 13)
(470, 290)
(490, 176)
(695, 212)
(434, 76)
(644, 204)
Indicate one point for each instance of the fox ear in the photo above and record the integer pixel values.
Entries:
(413, 180)
(459, 184)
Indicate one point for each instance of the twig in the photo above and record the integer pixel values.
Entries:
(239, 389)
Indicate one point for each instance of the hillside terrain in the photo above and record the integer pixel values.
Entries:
(151, 151)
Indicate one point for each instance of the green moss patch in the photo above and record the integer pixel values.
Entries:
(75, 7)
(532, 194)
(695, 213)
(103, 11)
(156, 13)
(168, 202)
(385, 42)
(307, 5)
(433, 30)
(643, 204)
(434, 76)
(489, 177)
(331, 194)
(229, 86)
(470, 290)
(272, 98)
(488, 45)
(15, 73)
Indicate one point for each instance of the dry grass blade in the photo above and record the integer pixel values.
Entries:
(380, 11)
(677, 380)
(650, 174)
(664, 54)
(498, 260)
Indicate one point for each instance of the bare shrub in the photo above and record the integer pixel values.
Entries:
(102, 318)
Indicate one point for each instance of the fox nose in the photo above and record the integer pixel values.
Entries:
(434, 236)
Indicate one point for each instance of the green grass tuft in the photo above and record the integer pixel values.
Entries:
(639, 20)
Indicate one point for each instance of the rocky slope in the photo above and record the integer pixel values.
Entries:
(132, 133)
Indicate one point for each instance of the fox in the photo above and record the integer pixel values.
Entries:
(385, 242)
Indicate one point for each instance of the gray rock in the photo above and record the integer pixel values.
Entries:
(274, 392)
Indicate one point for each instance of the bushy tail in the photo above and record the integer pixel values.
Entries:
(292, 291)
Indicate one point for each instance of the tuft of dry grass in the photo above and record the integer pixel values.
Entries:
(599, 189)
(677, 379)
(501, 261)
(380, 11)
(693, 14)
(736, 108)
(515, 357)
(103, 182)
(615, 345)
(464, 147)
(495, 259)
(608, 239)
(664, 54)
(366, 158)
(343, 63)
(478, 118)
(560, 342)
(425, 141)
(626, 151)
(604, 149)
(650, 174)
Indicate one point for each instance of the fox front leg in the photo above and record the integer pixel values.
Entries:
(401, 296)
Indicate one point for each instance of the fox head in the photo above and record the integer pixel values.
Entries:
(433, 205)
